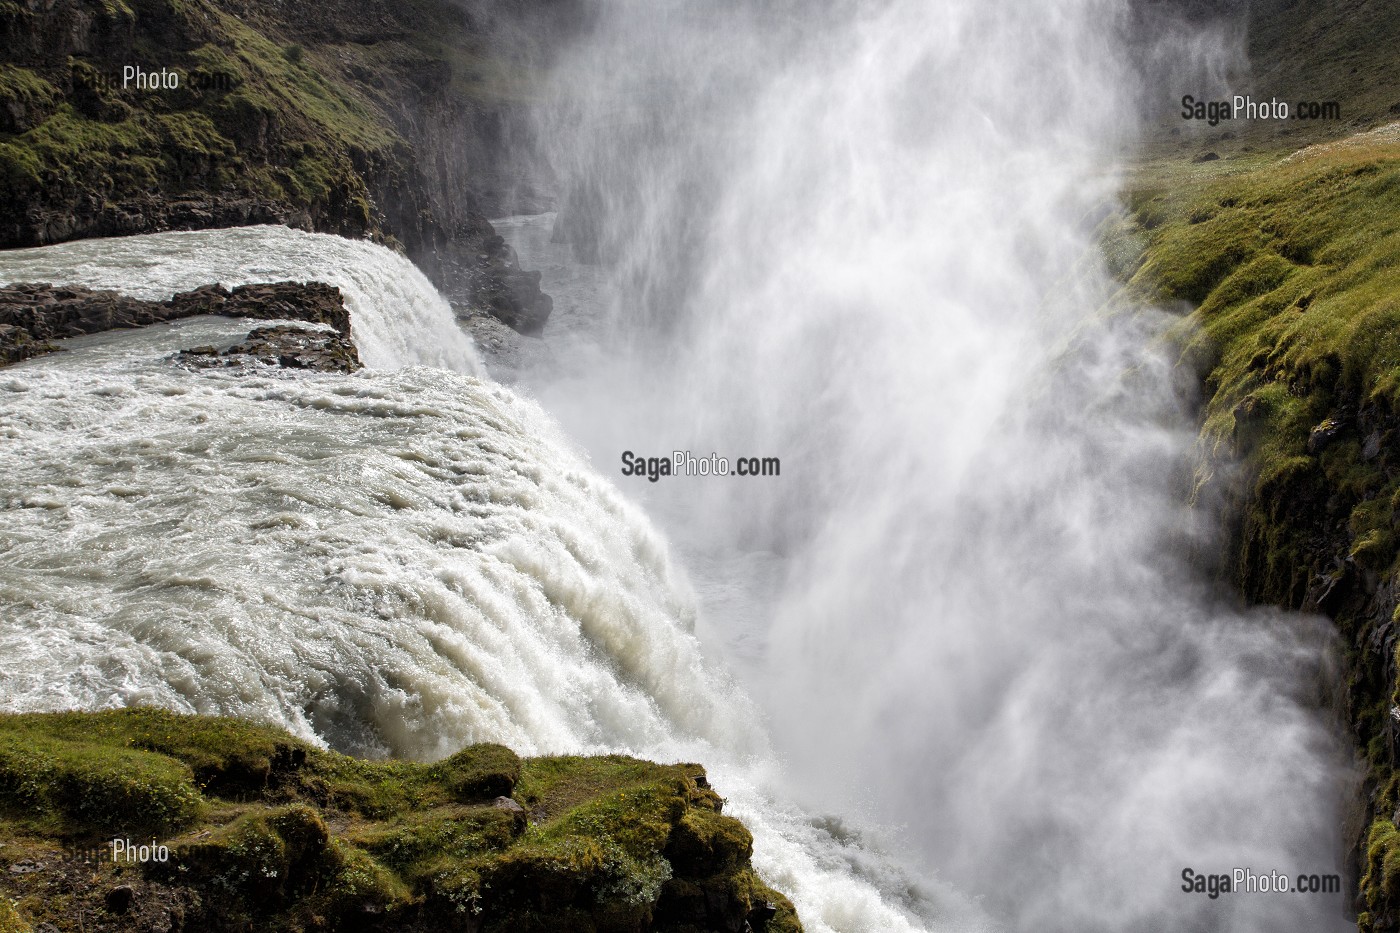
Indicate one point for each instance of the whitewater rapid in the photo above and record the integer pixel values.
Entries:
(398, 317)
(395, 562)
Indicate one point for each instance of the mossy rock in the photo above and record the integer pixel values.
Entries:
(704, 843)
(265, 831)
(480, 772)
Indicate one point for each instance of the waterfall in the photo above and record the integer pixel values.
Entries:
(399, 318)
(955, 666)
(396, 562)
(859, 238)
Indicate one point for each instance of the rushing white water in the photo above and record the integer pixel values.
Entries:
(398, 317)
(858, 236)
(398, 562)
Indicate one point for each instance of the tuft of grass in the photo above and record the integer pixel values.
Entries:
(11, 920)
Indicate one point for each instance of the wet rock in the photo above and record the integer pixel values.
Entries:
(284, 346)
(33, 315)
(761, 913)
(1324, 434)
(313, 302)
(490, 279)
(520, 819)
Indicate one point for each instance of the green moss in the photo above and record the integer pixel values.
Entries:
(89, 788)
(249, 121)
(284, 86)
(213, 70)
(1381, 882)
(274, 833)
(68, 150)
(478, 772)
(268, 859)
(10, 919)
(25, 93)
(1290, 270)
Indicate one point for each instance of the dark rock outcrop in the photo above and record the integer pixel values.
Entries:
(493, 281)
(32, 316)
(286, 346)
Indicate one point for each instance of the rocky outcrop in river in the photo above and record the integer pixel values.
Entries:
(33, 316)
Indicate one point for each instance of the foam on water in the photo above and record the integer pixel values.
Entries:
(396, 562)
(398, 317)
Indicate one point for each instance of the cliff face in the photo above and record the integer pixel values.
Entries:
(1288, 269)
(390, 121)
(1281, 251)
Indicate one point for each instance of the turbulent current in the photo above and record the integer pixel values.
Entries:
(399, 562)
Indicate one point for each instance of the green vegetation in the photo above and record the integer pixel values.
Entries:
(268, 832)
(25, 98)
(1293, 271)
(1287, 272)
(10, 919)
(285, 114)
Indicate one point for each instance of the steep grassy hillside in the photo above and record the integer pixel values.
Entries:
(1288, 273)
(264, 832)
(1282, 253)
(388, 120)
(254, 130)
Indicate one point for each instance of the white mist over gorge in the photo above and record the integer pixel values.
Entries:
(963, 666)
(861, 241)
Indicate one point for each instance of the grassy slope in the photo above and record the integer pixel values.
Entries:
(115, 143)
(1286, 266)
(266, 832)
